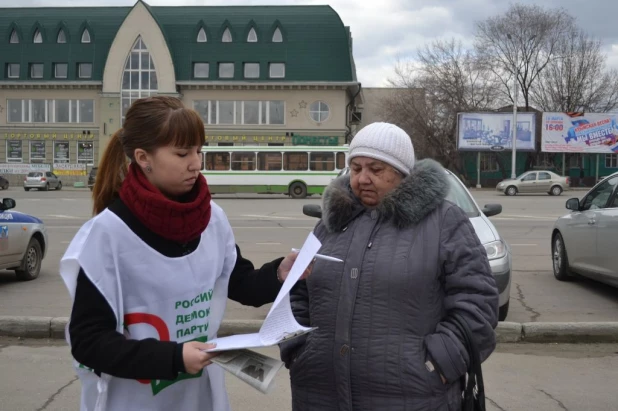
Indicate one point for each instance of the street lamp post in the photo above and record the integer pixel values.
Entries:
(514, 125)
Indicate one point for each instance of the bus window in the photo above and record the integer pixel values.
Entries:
(322, 162)
(218, 161)
(269, 161)
(340, 161)
(243, 161)
(295, 161)
(203, 161)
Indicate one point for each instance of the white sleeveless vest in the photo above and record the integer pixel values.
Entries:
(153, 296)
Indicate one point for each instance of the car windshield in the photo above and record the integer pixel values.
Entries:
(34, 174)
(459, 195)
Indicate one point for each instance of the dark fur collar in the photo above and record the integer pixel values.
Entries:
(418, 195)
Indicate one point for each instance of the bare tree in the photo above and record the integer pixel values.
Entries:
(577, 79)
(444, 81)
(521, 42)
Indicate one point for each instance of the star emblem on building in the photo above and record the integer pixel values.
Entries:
(302, 104)
(294, 113)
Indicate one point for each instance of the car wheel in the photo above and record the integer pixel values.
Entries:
(560, 259)
(46, 188)
(503, 311)
(556, 190)
(31, 264)
(510, 191)
(26, 189)
(298, 190)
(59, 185)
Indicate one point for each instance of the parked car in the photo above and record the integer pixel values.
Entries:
(535, 182)
(4, 183)
(92, 177)
(42, 180)
(584, 241)
(23, 242)
(497, 249)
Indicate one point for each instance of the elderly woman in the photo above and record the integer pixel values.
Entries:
(384, 337)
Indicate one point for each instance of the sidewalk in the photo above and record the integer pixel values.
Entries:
(38, 376)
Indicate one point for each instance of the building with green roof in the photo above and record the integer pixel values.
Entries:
(256, 74)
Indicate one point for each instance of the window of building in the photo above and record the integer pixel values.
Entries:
(340, 161)
(611, 160)
(489, 162)
(15, 111)
(38, 37)
(202, 108)
(85, 153)
(201, 36)
(226, 112)
(269, 161)
(12, 70)
(277, 36)
(63, 111)
(252, 70)
(14, 39)
(576, 161)
(201, 70)
(50, 111)
(218, 161)
(251, 112)
(86, 36)
(14, 151)
(276, 112)
(322, 162)
(226, 70)
(139, 78)
(62, 151)
(61, 70)
(243, 161)
(37, 151)
(319, 111)
(277, 70)
(252, 36)
(40, 111)
(62, 37)
(84, 70)
(227, 36)
(295, 161)
(86, 111)
(36, 70)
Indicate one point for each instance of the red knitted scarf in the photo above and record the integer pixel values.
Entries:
(174, 220)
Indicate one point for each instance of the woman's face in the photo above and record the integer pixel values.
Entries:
(173, 170)
(372, 179)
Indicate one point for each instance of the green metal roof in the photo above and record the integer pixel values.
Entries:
(316, 45)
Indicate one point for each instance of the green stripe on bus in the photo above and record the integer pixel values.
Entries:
(260, 189)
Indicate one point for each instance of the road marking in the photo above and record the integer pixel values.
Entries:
(529, 216)
(267, 243)
(268, 217)
(524, 245)
(273, 228)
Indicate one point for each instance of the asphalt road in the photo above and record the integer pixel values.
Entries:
(36, 376)
(267, 227)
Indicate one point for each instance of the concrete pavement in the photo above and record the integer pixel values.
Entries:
(37, 376)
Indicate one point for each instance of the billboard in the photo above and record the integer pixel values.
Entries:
(579, 133)
(492, 131)
(22, 168)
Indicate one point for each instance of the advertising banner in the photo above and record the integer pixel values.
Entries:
(21, 168)
(579, 133)
(65, 169)
(493, 131)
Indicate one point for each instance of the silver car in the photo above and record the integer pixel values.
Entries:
(497, 249)
(42, 180)
(23, 242)
(584, 241)
(535, 182)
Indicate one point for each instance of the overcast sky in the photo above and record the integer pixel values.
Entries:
(385, 30)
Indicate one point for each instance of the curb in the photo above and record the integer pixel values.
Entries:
(506, 332)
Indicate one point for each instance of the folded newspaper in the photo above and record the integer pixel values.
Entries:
(255, 369)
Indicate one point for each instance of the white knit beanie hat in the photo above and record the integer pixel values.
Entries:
(385, 142)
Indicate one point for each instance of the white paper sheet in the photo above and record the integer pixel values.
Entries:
(280, 323)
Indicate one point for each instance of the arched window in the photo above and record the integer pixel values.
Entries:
(86, 36)
(277, 36)
(201, 36)
(14, 39)
(62, 37)
(252, 36)
(139, 78)
(227, 36)
(38, 37)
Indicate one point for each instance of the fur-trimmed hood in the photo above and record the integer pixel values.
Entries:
(419, 194)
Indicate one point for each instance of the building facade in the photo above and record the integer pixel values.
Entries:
(266, 75)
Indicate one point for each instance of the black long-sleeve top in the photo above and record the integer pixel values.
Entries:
(96, 344)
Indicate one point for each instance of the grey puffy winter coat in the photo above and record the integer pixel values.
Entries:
(383, 314)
